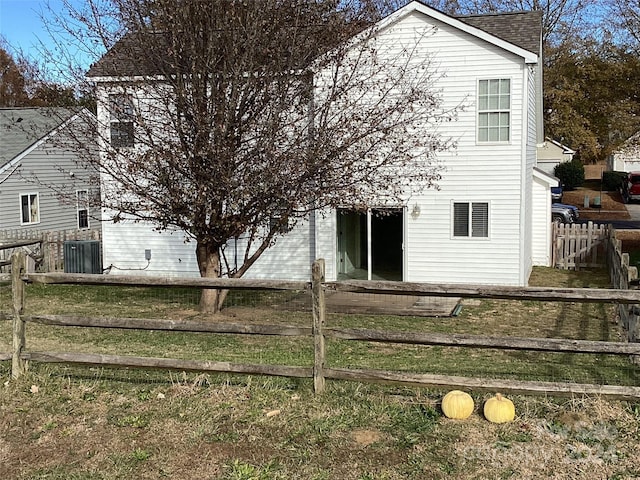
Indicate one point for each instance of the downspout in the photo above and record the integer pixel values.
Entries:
(524, 219)
(313, 235)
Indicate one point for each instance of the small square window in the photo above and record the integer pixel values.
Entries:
(277, 224)
(471, 219)
(122, 134)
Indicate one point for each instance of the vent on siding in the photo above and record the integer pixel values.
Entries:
(82, 256)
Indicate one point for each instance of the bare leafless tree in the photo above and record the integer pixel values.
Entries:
(625, 21)
(237, 119)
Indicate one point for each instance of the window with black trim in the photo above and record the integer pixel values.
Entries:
(471, 219)
(82, 200)
(278, 224)
(121, 121)
(494, 110)
(29, 208)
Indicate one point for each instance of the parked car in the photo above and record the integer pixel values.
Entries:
(631, 187)
(562, 213)
(556, 194)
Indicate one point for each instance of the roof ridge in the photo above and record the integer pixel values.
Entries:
(497, 14)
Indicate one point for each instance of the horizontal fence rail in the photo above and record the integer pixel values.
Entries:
(484, 384)
(320, 333)
(479, 341)
(170, 282)
(587, 295)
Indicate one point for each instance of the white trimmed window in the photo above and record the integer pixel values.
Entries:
(29, 208)
(121, 121)
(82, 202)
(471, 219)
(494, 110)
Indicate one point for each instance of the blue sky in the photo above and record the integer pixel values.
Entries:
(23, 28)
(20, 23)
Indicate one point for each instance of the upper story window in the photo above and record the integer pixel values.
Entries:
(494, 110)
(471, 219)
(29, 208)
(82, 198)
(121, 120)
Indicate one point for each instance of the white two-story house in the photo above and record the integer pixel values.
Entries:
(489, 221)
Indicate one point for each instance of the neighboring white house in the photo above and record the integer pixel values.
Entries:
(43, 182)
(541, 240)
(488, 223)
(552, 153)
(627, 157)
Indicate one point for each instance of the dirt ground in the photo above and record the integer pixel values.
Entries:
(611, 205)
(611, 208)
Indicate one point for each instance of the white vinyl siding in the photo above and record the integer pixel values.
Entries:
(173, 252)
(488, 171)
(541, 211)
(532, 220)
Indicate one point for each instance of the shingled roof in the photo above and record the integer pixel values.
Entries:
(20, 128)
(126, 58)
(523, 29)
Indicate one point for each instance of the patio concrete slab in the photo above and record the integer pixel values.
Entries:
(366, 303)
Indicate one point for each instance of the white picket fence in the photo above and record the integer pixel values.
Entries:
(577, 246)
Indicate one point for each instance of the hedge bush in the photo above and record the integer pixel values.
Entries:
(571, 174)
(612, 181)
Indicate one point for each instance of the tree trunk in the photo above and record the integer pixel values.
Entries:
(209, 264)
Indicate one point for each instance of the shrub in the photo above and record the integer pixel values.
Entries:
(571, 174)
(612, 181)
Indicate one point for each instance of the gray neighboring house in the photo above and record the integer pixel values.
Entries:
(43, 183)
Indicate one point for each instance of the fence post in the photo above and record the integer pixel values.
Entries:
(18, 267)
(318, 302)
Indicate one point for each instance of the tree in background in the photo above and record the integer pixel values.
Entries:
(591, 96)
(12, 82)
(25, 84)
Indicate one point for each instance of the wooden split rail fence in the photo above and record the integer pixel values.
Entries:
(624, 277)
(320, 371)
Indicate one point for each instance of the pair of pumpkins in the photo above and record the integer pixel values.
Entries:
(458, 404)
